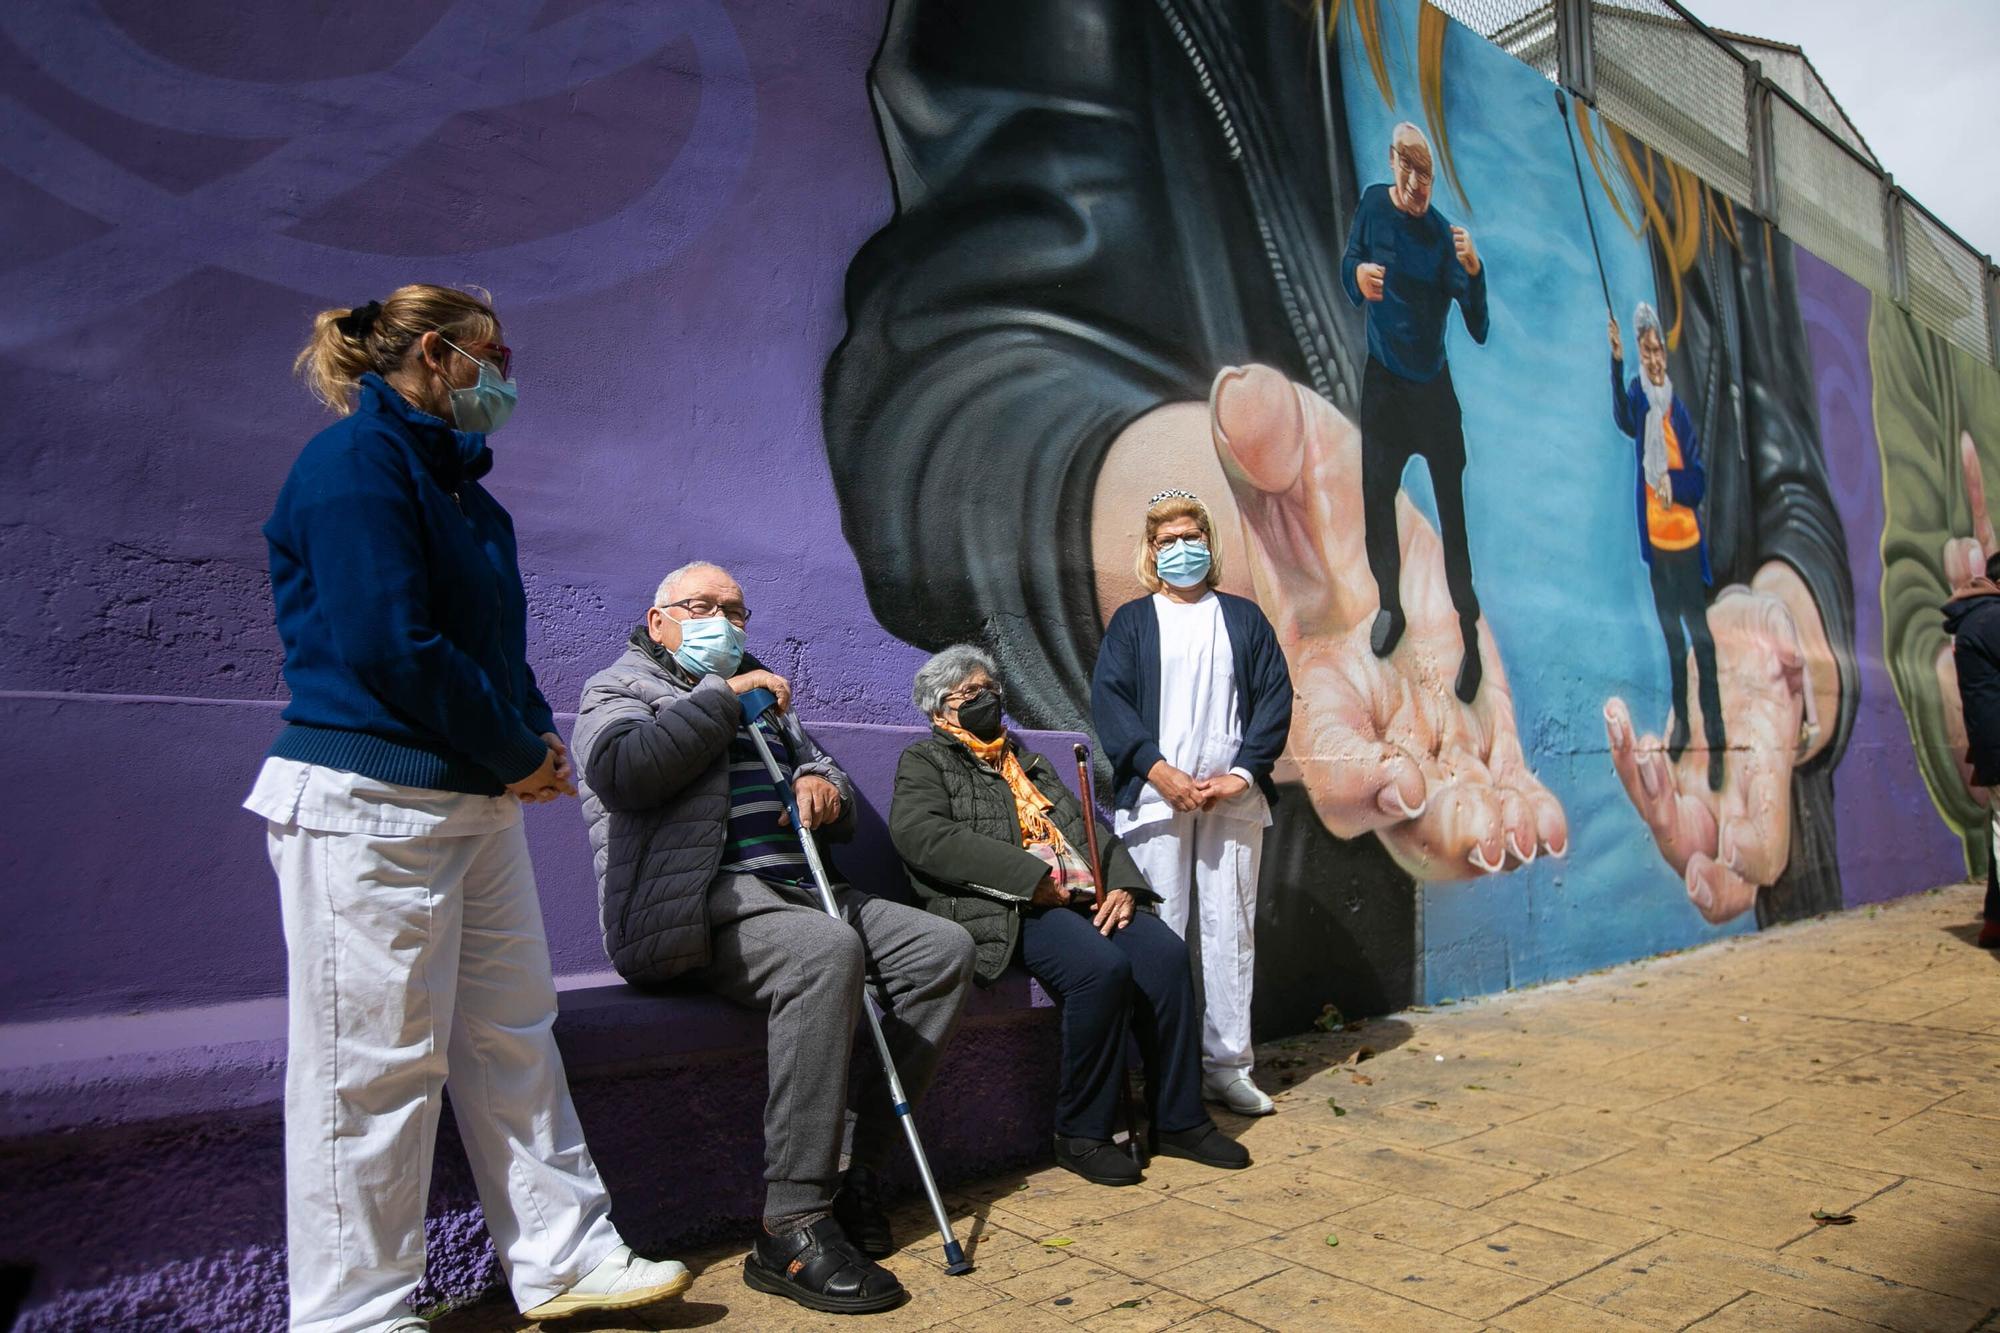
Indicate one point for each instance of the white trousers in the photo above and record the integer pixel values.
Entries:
(417, 960)
(1217, 859)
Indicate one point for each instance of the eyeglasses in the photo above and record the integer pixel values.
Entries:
(1163, 541)
(700, 608)
(499, 355)
(965, 694)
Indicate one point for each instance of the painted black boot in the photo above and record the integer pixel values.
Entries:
(1387, 631)
(1470, 671)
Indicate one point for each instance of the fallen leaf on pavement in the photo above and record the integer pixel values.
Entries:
(1826, 1219)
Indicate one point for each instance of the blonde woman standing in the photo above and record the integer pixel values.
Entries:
(1192, 702)
(393, 799)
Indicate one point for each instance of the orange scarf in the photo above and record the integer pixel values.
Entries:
(1030, 806)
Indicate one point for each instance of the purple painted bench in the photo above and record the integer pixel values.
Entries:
(142, 1052)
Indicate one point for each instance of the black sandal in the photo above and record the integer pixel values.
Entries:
(818, 1267)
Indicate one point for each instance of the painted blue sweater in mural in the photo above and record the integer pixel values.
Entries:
(1422, 278)
(400, 606)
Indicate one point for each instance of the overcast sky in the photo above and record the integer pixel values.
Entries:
(1918, 79)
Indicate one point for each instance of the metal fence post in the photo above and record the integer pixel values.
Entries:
(1893, 241)
(1763, 149)
(1576, 49)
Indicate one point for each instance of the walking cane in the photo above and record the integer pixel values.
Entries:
(1089, 797)
(755, 703)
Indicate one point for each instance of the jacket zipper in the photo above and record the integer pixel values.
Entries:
(1295, 314)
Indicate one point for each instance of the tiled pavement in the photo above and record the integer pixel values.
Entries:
(1640, 1149)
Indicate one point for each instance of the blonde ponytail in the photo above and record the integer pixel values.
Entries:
(378, 336)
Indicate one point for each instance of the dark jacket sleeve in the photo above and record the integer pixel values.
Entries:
(1270, 700)
(641, 756)
(1470, 289)
(359, 531)
(1689, 481)
(1021, 309)
(954, 857)
(1356, 253)
(536, 712)
(1621, 401)
(1128, 743)
(815, 762)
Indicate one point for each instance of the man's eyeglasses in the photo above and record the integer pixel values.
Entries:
(700, 608)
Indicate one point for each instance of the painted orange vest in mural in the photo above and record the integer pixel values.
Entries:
(1671, 527)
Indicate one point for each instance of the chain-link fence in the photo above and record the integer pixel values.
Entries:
(1761, 137)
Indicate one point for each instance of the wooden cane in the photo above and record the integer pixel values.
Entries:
(1083, 789)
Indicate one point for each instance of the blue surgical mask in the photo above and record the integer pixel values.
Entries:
(1183, 564)
(485, 405)
(711, 646)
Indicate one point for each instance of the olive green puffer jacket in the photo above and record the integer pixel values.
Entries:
(952, 821)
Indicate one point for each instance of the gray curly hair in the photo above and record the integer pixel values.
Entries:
(1645, 317)
(945, 672)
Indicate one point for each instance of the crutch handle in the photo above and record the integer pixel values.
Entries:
(756, 703)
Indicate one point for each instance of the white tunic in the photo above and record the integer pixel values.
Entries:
(1200, 729)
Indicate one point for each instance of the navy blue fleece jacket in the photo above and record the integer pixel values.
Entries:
(400, 606)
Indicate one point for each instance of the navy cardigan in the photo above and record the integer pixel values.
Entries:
(400, 606)
(1125, 693)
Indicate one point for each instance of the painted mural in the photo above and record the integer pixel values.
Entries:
(1511, 424)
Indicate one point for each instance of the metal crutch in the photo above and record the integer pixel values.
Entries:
(755, 703)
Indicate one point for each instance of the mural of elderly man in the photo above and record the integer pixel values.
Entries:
(1671, 485)
(1405, 265)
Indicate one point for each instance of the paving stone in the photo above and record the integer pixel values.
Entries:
(1462, 1184)
(1972, 1211)
(1530, 1252)
(1216, 1274)
(1558, 1314)
(1309, 1301)
(1281, 1196)
(1422, 1224)
(1758, 1313)
(1123, 1303)
(1712, 1198)
(1613, 1229)
(1470, 1291)
(1956, 1263)
(1166, 1235)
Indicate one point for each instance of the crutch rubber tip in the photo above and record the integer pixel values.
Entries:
(955, 1262)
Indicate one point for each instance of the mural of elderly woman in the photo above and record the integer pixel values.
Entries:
(1671, 484)
(1783, 614)
(989, 835)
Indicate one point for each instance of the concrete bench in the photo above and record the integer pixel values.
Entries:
(142, 1056)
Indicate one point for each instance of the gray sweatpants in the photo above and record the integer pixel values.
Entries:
(783, 954)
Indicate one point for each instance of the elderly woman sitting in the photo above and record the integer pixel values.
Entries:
(993, 840)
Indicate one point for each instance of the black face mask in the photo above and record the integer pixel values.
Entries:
(980, 715)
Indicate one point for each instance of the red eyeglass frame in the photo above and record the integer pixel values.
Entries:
(504, 355)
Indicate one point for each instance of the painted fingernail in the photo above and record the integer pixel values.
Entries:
(1390, 801)
(1525, 858)
(1558, 852)
(1480, 863)
(1647, 777)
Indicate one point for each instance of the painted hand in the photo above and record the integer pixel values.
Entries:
(1617, 342)
(1964, 560)
(1369, 278)
(1467, 252)
(1726, 844)
(1382, 744)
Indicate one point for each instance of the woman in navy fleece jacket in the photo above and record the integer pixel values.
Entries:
(393, 808)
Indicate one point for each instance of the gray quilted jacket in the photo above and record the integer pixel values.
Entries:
(652, 745)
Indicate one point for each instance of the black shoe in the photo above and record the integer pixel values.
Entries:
(1470, 672)
(1678, 739)
(820, 1269)
(858, 1209)
(1205, 1144)
(1098, 1161)
(1387, 632)
(1716, 755)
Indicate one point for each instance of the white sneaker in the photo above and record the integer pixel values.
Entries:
(1237, 1092)
(623, 1281)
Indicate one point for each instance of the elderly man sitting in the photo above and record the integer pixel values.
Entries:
(699, 872)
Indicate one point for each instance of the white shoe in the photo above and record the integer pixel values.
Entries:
(623, 1281)
(1236, 1092)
